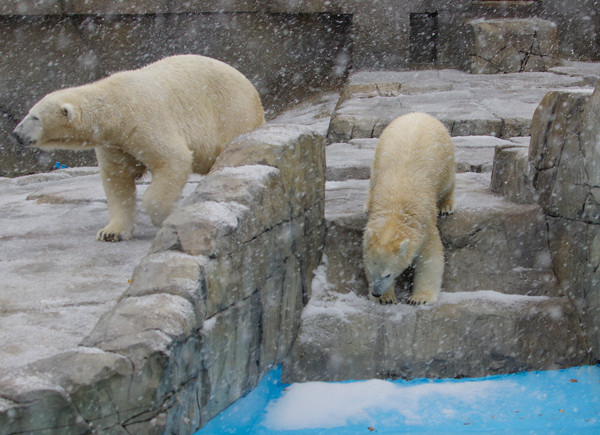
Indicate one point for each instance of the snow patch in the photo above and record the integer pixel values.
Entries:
(209, 324)
(250, 172)
(220, 213)
(488, 295)
(314, 405)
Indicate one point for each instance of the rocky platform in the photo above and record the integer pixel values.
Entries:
(57, 280)
(489, 104)
(501, 309)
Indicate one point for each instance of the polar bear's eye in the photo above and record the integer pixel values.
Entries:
(387, 276)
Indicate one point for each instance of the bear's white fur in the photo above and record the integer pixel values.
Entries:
(171, 117)
(412, 178)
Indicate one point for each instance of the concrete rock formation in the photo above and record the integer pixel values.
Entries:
(513, 45)
(469, 105)
(561, 173)
(206, 314)
(228, 289)
(502, 309)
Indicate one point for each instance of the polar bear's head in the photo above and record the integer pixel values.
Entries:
(53, 122)
(389, 248)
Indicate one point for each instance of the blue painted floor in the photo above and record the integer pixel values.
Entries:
(551, 402)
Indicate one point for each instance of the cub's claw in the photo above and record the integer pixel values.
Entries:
(388, 298)
(420, 299)
(386, 301)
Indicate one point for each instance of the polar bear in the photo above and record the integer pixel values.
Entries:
(170, 118)
(412, 179)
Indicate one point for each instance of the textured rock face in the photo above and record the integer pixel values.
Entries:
(564, 152)
(512, 174)
(465, 335)
(212, 307)
(501, 309)
(513, 45)
(560, 171)
(485, 105)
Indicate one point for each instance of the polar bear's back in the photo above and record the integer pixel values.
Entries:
(414, 151)
(204, 100)
(416, 141)
(415, 144)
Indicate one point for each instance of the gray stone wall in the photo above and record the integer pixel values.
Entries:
(214, 305)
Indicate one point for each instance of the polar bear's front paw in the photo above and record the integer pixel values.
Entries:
(388, 297)
(422, 298)
(108, 234)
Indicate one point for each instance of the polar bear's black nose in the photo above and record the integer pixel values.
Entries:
(376, 289)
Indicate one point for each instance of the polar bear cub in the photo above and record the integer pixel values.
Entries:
(170, 118)
(412, 179)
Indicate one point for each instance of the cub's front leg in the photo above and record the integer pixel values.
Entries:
(118, 171)
(429, 268)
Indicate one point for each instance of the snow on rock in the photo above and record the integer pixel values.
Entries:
(489, 296)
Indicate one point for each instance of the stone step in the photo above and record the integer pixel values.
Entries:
(500, 105)
(490, 243)
(512, 174)
(345, 336)
(352, 160)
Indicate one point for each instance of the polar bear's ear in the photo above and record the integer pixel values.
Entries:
(68, 111)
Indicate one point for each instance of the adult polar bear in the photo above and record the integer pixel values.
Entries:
(412, 178)
(171, 117)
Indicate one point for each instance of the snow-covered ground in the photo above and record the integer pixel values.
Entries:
(554, 402)
(57, 279)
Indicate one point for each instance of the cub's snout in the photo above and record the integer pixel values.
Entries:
(380, 285)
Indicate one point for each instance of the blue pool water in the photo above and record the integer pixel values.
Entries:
(549, 402)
